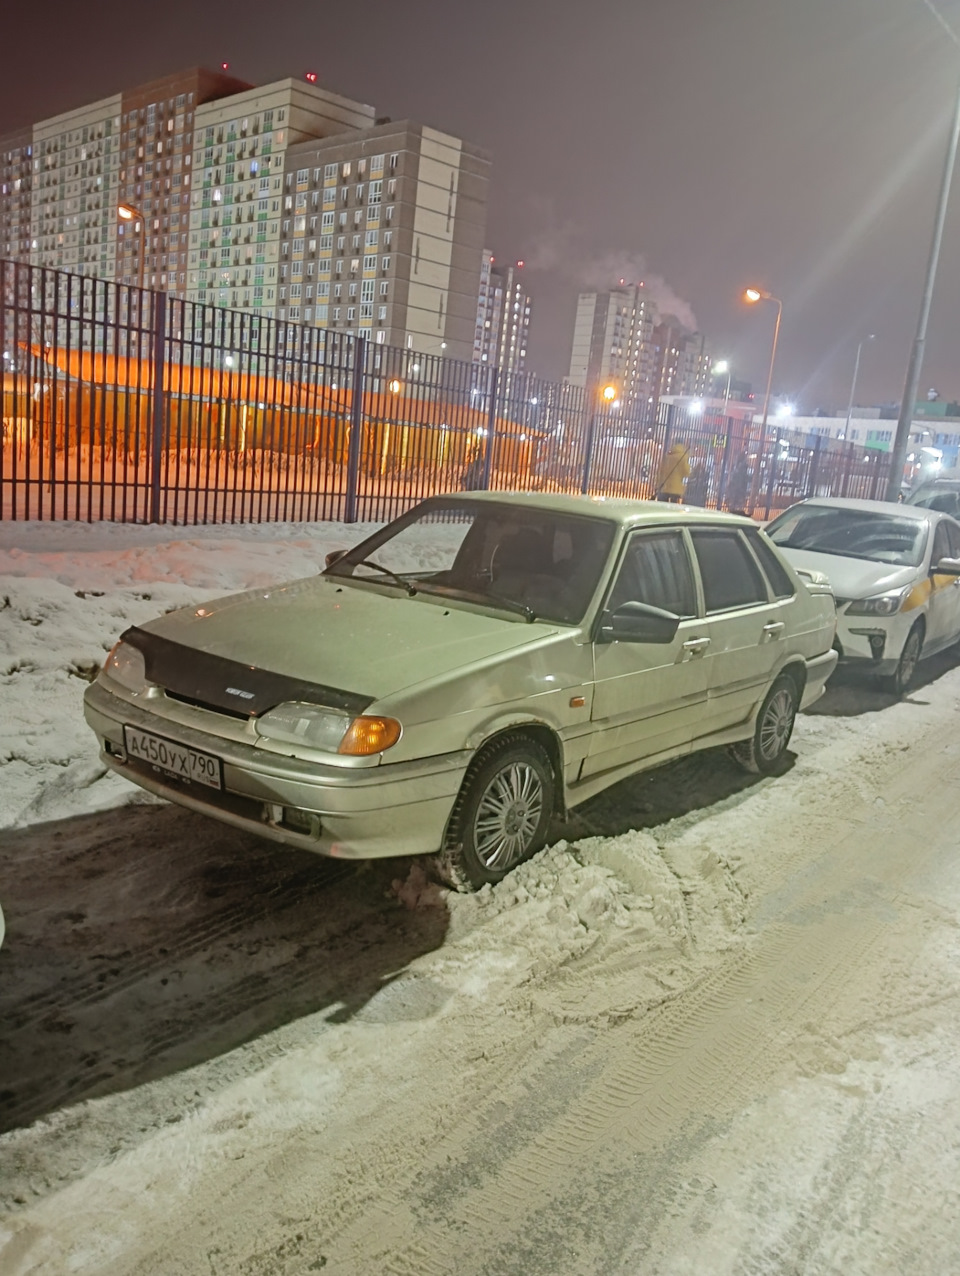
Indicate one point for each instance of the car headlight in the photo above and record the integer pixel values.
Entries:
(880, 605)
(328, 729)
(125, 665)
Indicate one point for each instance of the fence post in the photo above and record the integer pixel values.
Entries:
(491, 427)
(774, 462)
(356, 429)
(725, 464)
(588, 451)
(815, 466)
(157, 404)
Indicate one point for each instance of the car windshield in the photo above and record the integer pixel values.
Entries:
(850, 533)
(531, 562)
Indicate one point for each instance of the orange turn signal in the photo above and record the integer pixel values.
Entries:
(369, 735)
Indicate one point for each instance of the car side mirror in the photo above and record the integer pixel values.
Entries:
(946, 567)
(334, 556)
(638, 622)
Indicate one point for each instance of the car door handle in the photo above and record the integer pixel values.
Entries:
(696, 645)
(773, 628)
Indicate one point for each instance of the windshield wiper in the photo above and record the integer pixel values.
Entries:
(508, 604)
(404, 584)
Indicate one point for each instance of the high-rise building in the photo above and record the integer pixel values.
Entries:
(63, 178)
(158, 130)
(503, 316)
(239, 163)
(285, 200)
(16, 184)
(682, 360)
(613, 342)
(381, 235)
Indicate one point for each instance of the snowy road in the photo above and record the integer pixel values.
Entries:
(714, 1029)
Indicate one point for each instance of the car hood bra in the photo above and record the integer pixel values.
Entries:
(360, 641)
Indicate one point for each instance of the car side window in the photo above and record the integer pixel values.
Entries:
(941, 544)
(731, 577)
(656, 570)
(953, 535)
(773, 569)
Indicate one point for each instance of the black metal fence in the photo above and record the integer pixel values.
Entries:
(133, 406)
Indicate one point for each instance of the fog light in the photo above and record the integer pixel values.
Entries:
(877, 642)
(301, 821)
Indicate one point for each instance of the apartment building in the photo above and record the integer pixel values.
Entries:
(241, 144)
(16, 184)
(284, 200)
(73, 202)
(382, 235)
(503, 316)
(613, 343)
(158, 124)
(682, 360)
(62, 179)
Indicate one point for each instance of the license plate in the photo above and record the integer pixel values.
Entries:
(174, 759)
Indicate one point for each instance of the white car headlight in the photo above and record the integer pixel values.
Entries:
(310, 724)
(880, 604)
(298, 723)
(125, 665)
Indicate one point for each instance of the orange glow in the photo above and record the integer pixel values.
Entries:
(609, 393)
(370, 735)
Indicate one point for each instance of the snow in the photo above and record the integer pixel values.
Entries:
(654, 957)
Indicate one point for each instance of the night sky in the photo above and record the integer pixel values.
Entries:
(698, 144)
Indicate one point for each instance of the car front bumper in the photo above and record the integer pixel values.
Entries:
(367, 812)
(874, 640)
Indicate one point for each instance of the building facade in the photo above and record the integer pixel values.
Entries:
(284, 200)
(382, 235)
(239, 163)
(504, 307)
(613, 343)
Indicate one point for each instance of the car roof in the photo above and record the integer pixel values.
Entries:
(891, 508)
(613, 508)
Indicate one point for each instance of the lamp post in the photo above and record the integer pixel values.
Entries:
(853, 383)
(752, 296)
(127, 213)
(607, 396)
(718, 369)
(905, 420)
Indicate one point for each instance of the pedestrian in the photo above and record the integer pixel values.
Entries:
(738, 486)
(698, 484)
(672, 474)
(471, 477)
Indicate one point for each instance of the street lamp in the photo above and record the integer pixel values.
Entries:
(752, 296)
(853, 383)
(718, 370)
(127, 213)
(905, 420)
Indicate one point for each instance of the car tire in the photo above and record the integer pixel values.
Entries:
(763, 753)
(501, 815)
(899, 681)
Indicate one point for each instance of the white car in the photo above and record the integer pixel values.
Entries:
(895, 572)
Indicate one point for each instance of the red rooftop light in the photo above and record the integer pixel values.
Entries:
(311, 77)
(224, 66)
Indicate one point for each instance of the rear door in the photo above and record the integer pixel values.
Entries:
(650, 697)
(747, 625)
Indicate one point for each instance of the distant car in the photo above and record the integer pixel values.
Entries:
(895, 571)
(553, 646)
(940, 493)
